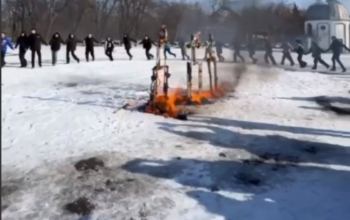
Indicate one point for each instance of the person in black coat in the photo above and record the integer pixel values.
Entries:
(34, 42)
(22, 43)
(336, 47)
(269, 52)
(219, 50)
(251, 50)
(286, 49)
(183, 48)
(300, 51)
(237, 51)
(127, 44)
(316, 52)
(147, 45)
(55, 44)
(109, 47)
(71, 43)
(89, 47)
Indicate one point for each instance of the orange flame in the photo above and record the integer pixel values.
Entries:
(173, 104)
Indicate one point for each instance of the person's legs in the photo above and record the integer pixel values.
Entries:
(21, 57)
(266, 58)
(87, 55)
(92, 52)
(272, 58)
(53, 59)
(74, 56)
(128, 52)
(283, 58)
(323, 62)
(3, 63)
(67, 56)
(337, 58)
(315, 63)
(38, 52)
(240, 57)
(111, 55)
(290, 59)
(33, 58)
(333, 62)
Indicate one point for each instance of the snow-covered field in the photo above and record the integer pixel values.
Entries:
(266, 152)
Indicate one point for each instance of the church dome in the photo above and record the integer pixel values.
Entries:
(330, 10)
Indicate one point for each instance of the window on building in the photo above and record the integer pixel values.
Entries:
(309, 29)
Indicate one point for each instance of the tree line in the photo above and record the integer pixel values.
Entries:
(113, 18)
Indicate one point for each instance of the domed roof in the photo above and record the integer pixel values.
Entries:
(330, 10)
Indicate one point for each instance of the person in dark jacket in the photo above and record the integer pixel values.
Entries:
(183, 48)
(109, 47)
(300, 51)
(34, 42)
(286, 49)
(127, 44)
(5, 43)
(269, 52)
(237, 51)
(336, 47)
(316, 52)
(167, 50)
(251, 50)
(219, 45)
(55, 44)
(147, 45)
(89, 47)
(22, 43)
(71, 43)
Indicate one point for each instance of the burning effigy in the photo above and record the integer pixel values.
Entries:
(174, 102)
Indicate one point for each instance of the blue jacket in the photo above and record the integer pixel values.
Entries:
(5, 42)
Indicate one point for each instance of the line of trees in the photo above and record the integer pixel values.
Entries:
(112, 18)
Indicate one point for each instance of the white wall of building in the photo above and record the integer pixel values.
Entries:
(323, 30)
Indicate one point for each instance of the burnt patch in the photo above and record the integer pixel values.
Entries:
(113, 185)
(91, 164)
(81, 206)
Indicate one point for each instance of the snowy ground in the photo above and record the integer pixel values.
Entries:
(266, 152)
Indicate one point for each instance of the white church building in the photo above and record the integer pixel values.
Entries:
(325, 19)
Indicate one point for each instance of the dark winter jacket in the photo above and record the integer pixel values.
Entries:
(22, 42)
(182, 42)
(127, 41)
(89, 42)
(35, 41)
(109, 45)
(251, 48)
(286, 47)
(147, 43)
(219, 46)
(336, 47)
(71, 43)
(300, 49)
(268, 46)
(236, 46)
(315, 50)
(55, 42)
